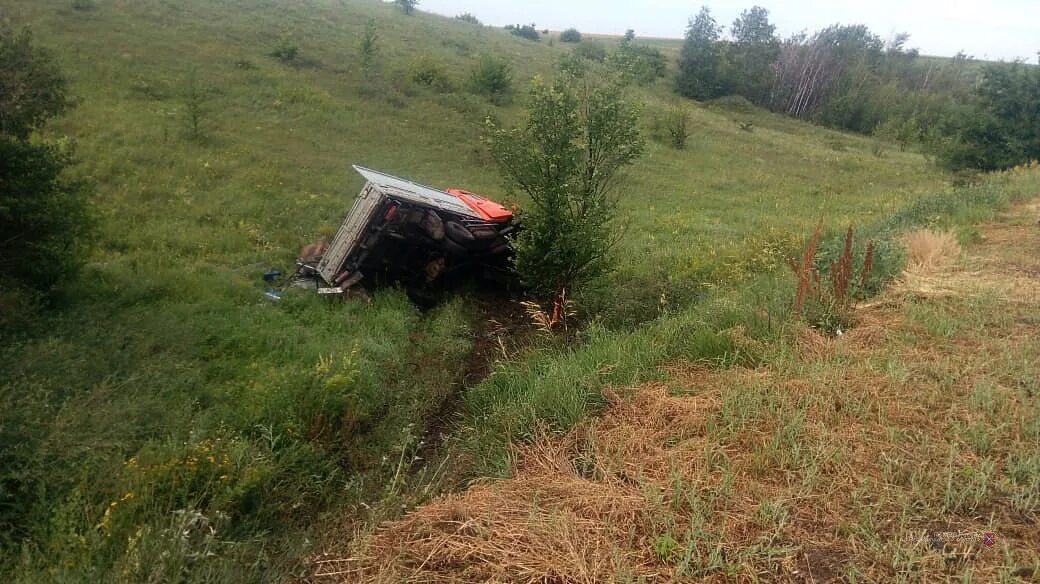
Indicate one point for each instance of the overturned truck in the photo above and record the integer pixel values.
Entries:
(423, 238)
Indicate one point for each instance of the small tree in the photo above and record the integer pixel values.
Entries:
(566, 157)
(751, 55)
(43, 216)
(408, 6)
(700, 58)
(527, 31)
(194, 107)
(32, 89)
(571, 35)
(368, 48)
(467, 17)
(679, 126)
(492, 77)
(286, 49)
(638, 63)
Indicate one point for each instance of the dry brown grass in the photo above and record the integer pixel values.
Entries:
(853, 458)
(929, 250)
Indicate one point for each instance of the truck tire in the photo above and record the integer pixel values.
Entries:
(433, 225)
(484, 232)
(458, 233)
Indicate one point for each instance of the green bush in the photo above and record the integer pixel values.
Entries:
(591, 51)
(526, 31)
(32, 88)
(566, 158)
(368, 48)
(679, 127)
(43, 216)
(638, 63)
(428, 72)
(285, 49)
(571, 35)
(467, 17)
(44, 221)
(492, 77)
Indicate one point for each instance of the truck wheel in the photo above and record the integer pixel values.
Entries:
(433, 225)
(458, 233)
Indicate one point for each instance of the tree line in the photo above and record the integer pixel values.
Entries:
(969, 114)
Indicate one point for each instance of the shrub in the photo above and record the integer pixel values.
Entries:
(830, 307)
(679, 127)
(572, 65)
(285, 49)
(43, 216)
(467, 17)
(571, 35)
(527, 31)
(195, 111)
(493, 78)
(43, 219)
(84, 5)
(426, 71)
(368, 48)
(32, 89)
(591, 51)
(407, 6)
(638, 63)
(566, 158)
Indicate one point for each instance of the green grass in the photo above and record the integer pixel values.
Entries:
(165, 352)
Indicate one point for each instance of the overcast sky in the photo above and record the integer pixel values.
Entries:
(992, 29)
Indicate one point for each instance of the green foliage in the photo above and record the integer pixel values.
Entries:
(286, 49)
(679, 126)
(165, 343)
(572, 65)
(195, 107)
(43, 215)
(526, 31)
(493, 78)
(368, 48)
(637, 63)
(748, 69)
(428, 72)
(32, 89)
(407, 6)
(591, 51)
(566, 158)
(665, 546)
(1003, 129)
(84, 5)
(467, 17)
(571, 35)
(701, 58)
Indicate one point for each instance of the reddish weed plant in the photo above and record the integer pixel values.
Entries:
(831, 307)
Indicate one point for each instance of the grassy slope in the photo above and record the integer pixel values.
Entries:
(166, 347)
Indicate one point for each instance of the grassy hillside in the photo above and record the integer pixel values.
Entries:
(167, 407)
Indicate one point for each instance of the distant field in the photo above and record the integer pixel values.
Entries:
(166, 353)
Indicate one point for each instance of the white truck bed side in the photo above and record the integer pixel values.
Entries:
(350, 232)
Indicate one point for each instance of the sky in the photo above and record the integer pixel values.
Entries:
(993, 29)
